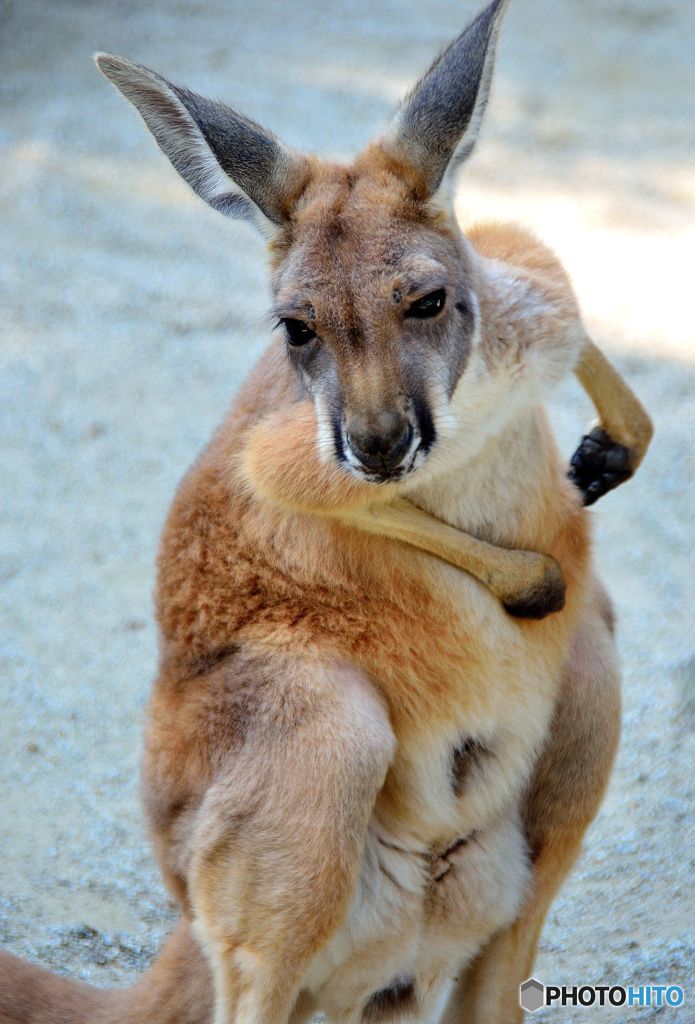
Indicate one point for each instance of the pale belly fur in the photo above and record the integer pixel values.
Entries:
(428, 898)
(416, 919)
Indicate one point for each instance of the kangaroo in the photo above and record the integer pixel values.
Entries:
(365, 779)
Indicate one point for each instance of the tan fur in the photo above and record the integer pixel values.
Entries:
(361, 774)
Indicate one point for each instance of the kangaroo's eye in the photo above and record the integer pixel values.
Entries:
(428, 305)
(298, 333)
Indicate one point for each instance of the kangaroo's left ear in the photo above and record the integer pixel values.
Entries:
(439, 120)
(234, 164)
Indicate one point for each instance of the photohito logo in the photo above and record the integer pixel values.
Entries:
(533, 995)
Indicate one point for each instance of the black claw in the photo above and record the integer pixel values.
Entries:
(599, 465)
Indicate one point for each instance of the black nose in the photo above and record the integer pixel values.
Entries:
(380, 446)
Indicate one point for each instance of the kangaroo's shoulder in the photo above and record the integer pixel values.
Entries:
(522, 275)
(519, 248)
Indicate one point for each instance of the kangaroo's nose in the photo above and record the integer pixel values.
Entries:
(380, 442)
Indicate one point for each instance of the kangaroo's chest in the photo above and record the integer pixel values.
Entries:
(470, 695)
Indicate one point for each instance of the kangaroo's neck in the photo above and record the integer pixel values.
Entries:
(506, 491)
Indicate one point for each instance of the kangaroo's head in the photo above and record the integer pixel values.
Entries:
(371, 278)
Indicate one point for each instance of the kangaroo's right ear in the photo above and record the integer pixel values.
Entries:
(438, 123)
(232, 163)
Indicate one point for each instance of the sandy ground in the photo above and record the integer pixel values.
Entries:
(129, 315)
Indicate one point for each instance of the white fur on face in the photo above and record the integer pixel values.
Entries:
(325, 440)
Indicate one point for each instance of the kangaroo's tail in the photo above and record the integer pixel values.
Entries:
(176, 990)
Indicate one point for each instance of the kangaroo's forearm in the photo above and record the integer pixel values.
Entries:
(621, 413)
(528, 583)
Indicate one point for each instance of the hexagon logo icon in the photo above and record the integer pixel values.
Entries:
(532, 995)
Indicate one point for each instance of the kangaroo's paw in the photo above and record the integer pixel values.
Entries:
(598, 465)
(541, 594)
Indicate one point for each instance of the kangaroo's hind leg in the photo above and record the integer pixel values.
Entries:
(281, 831)
(565, 794)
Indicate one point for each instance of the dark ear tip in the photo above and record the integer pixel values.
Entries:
(493, 9)
(493, 14)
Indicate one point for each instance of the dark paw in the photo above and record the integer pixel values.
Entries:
(598, 465)
(544, 598)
